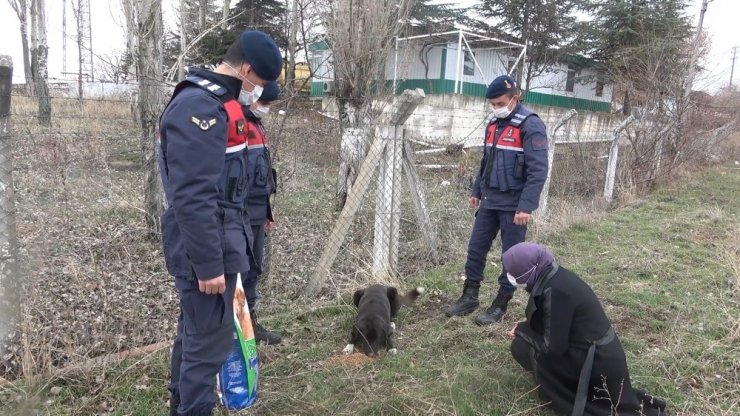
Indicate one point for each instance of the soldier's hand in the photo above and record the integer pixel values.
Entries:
(214, 286)
(474, 202)
(269, 225)
(522, 218)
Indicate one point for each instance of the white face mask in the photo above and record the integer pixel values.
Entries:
(513, 280)
(250, 97)
(260, 111)
(514, 283)
(247, 97)
(502, 112)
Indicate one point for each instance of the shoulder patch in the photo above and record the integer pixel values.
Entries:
(203, 124)
(208, 85)
(539, 141)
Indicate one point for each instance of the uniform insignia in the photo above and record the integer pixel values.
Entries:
(239, 127)
(203, 124)
(506, 84)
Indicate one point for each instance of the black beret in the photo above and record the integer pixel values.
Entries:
(262, 54)
(500, 86)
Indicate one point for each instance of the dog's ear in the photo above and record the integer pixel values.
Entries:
(394, 300)
(356, 297)
(392, 294)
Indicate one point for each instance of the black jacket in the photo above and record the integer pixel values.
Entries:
(565, 320)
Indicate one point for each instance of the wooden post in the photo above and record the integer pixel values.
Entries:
(345, 218)
(611, 170)
(10, 282)
(551, 158)
(417, 197)
(388, 201)
(386, 243)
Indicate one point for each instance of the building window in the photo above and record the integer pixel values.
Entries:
(468, 64)
(570, 82)
(599, 87)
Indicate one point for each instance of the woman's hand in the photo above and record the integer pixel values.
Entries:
(512, 333)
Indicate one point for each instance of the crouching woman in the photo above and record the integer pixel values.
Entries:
(567, 341)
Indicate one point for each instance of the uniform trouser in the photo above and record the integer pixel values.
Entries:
(204, 340)
(488, 223)
(255, 264)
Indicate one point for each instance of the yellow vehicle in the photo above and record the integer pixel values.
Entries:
(302, 81)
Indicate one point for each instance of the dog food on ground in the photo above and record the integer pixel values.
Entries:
(357, 358)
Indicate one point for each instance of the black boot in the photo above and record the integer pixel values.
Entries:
(468, 302)
(497, 310)
(262, 334)
(174, 404)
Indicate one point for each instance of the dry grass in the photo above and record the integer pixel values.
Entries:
(95, 284)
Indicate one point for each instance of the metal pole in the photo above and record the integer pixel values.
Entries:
(462, 64)
(475, 61)
(459, 60)
(732, 68)
(695, 50)
(395, 68)
(10, 282)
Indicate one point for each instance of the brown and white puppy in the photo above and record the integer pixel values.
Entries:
(373, 329)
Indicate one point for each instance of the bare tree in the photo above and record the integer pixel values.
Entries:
(150, 31)
(183, 40)
(21, 10)
(293, 16)
(39, 59)
(360, 33)
(81, 10)
(225, 14)
(129, 14)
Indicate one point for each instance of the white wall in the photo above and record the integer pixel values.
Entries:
(410, 65)
(445, 119)
(554, 82)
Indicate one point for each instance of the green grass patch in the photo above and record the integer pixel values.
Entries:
(660, 269)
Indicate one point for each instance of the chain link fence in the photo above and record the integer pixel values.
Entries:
(94, 279)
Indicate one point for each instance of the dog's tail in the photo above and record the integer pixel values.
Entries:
(411, 296)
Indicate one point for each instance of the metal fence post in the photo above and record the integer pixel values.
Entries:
(611, 170)
(10, 283)
(551, 157)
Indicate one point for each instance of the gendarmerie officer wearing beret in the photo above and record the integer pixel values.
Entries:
(506, 192)
(262, 186)
(205, 231)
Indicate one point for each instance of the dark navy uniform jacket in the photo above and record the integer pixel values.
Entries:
(262, 182)
(514, 165)
(203, 166)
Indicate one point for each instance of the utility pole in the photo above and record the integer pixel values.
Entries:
(695, 51)
(732, 68)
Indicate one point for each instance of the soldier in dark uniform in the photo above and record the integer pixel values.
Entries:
(203, 164)
(258, 203)
(506, 192)
(568, 343)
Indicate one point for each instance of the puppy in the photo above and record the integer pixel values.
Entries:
(373, 329)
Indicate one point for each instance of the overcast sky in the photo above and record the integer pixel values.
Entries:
(720, 22)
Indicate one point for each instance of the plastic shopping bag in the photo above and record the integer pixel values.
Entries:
(239, 375)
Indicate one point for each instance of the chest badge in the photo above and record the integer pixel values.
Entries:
(203, 124)
(239, 127)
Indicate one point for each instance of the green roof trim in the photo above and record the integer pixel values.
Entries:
(321, 45)
(566, 102)
(447, 86)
